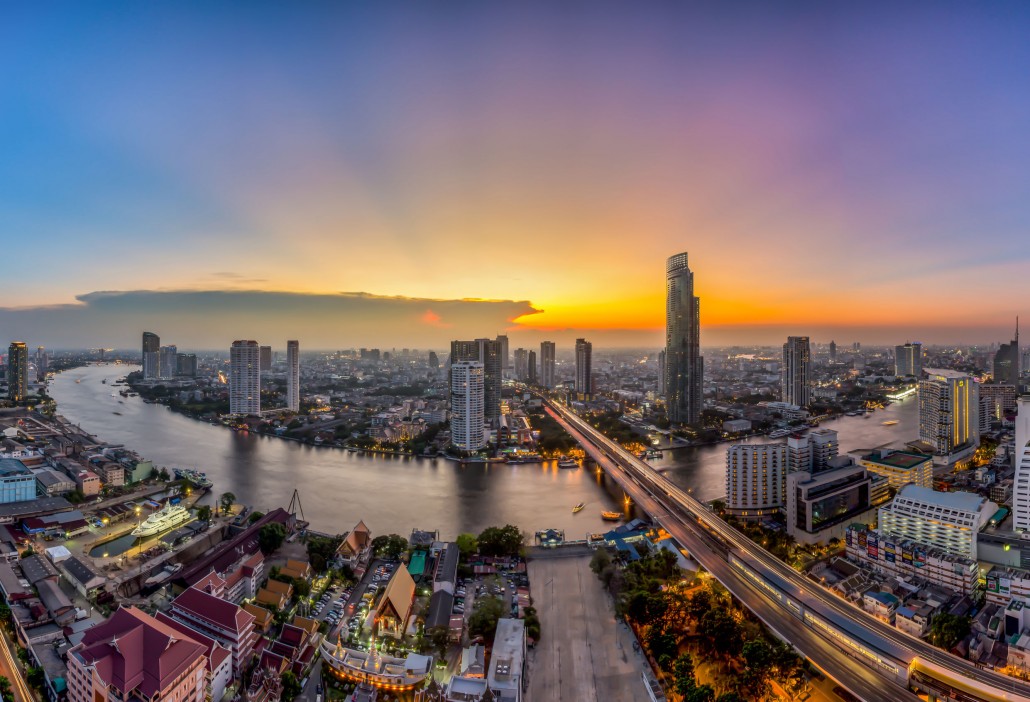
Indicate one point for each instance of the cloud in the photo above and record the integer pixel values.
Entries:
(212, 319)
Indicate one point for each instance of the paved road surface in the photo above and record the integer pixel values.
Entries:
(584, 654)
(9, 669)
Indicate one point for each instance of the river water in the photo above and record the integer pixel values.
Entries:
(394, 493)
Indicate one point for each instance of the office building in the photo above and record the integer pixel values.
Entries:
(134, 657)
(755, 479)
(521, 365)
(17, 483)
(168, 361)
(1021, 489)
(293, 375)
(997, 400)
(908, 359)
(244, 378)
(531, 369)
(487, 352)
(833, 352)
(684, 366)
(467, 400)
(265, 362)
(42, 364)
(904, 559)
(812, 451)
(17, 371)
(547, 364)
(949, 411)
(502, 342)
(949, 521)
(794, 372)
(151, 355)
(821, 505)
(584, 363)
(900, 467)
(507, 672)
(186, 365)
(1007, 362)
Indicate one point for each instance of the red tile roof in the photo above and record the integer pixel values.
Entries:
(219, 612)
(216, 653)
(133, 651)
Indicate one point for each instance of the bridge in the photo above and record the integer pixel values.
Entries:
(868, 657)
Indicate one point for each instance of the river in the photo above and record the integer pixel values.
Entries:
(393, 493)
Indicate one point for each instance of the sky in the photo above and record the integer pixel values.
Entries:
(855, 171)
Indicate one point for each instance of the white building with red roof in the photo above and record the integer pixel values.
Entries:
(219, 658)
(223, 621)
(133, 656)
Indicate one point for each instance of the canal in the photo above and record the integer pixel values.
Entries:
(393, 493)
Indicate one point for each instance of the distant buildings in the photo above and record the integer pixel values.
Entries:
(684, 366)
(949, 408)
(17, 371)
(1007, 362)
(521, 365)
(502, 342)
(584, 369)
(547, 364)
(908, 359)
(42, 363)
(795, 372)
(168, 359)
(1021, 492)
(265, 362)
(293, 375)
(948, 521)
(151, 356)
(186, 365)
(244, 378)
(467, 400)
(833, 352)
(531, 370)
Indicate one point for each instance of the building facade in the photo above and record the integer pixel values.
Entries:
(904, 558)
(794, 373)
(547, 364)
(244, 378)
(900, 467)
(488, 353)
(756, 477)
(293, 375)
(949, 521)
(684, 366)
(584, 369)
(151, 355)
(820, 505)
(467, 405)
(1008, 362)
(1021, 486)
(908, 359)
(949, 411)
(531, 368)
(17, 371)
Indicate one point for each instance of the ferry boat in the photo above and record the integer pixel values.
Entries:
(780, 433)
(578, 508)
(194, 476)
(653, 453)
(567, 463)
(890, 422)
(168, 517)
(611, 516)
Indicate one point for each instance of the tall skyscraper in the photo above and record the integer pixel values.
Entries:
(531, 370)
(42, 363)
(434, 360)
(186, 365)
(584, 369)
(949, 410)
(794, 373)
(487, 352)
(547, 364)
(245, 378)
(265, 359)
(1008, 362)
(505, 356)
(17, 371)
(684, 366)
(833, 351)
(908, 359)
(521, 365)
(661, 373)
(467, 405)
(168, 361)
(293, 375)
(1021, 493)
(151, 355)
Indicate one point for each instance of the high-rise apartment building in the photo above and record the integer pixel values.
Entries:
(833, 351)
(245, 378)
(467, 405)
(502, 340)
(1008, 362)
(293, 375)
(434, 360)
(660, 390)
(756, 477)
(168, 361)
(547, 364)
(265, 363)
(584, 369)
(531, 369)
(949, 410)
(794, 373)
(17, 371)
(908, 359)
(151, 355)
(487, 352)
(186, 365)
(812, 452)
(521, 365)
(42, 363)
(1021, 489)
(684, 366)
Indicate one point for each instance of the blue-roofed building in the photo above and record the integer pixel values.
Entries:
(17, 483)
(881, 605)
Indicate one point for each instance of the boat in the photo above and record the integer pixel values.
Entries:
(653, 453)
(168, 517)
(104, 381)
(611, 516)
(118, 413)
(567, 463)
(79, 380)
(193, 476)
(164, 574)
(578, 508)
(890, 422)
(780, 433)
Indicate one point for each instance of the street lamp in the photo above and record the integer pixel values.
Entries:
(138, 523)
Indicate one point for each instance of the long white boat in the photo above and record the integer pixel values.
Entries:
(168, 517)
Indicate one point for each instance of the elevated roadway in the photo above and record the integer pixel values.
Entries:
(868, 657)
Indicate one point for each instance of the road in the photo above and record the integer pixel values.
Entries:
(712, 541)
(9, 669)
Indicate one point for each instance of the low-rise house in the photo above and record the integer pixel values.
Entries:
(506, 676)
(881, 605)
(81, 575)
(263, 618)
(914, 618)
(88, 483)
(298, 570)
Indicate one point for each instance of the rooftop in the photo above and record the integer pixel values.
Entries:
(964, 501)
(12, 466)
(946, 373)
(897, 459)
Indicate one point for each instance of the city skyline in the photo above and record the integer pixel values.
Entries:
(294, 150)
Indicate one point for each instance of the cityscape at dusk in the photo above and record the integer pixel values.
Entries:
(483, 352)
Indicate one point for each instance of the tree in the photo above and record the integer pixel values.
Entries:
(683, 671)
(36, 678)
(720, 632)
(271, 537)
(390, 546)
(701, 693)
(729, 697)
(946, 630)
(163, 474)
(440, 638)
(227, 500)
(757, 655)
(5, 615)
(600, 560)
(204, 513)
(254, 516)
(467, 544)
(483, 621)
(5, 688)
(501, 541)
(291, 686)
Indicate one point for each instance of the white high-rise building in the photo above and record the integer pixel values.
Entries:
(949, 521)
(168, 363)
(1021, 489)
(794, 374)
(468, 401)
(245, 378)
(908, 359)
(813, 451)
(949, 410)
(755, 479)
(151, 355)
(293, 375)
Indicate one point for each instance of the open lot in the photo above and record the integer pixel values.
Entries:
(585, 654)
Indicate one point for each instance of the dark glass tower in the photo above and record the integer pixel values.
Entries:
(684, 367)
